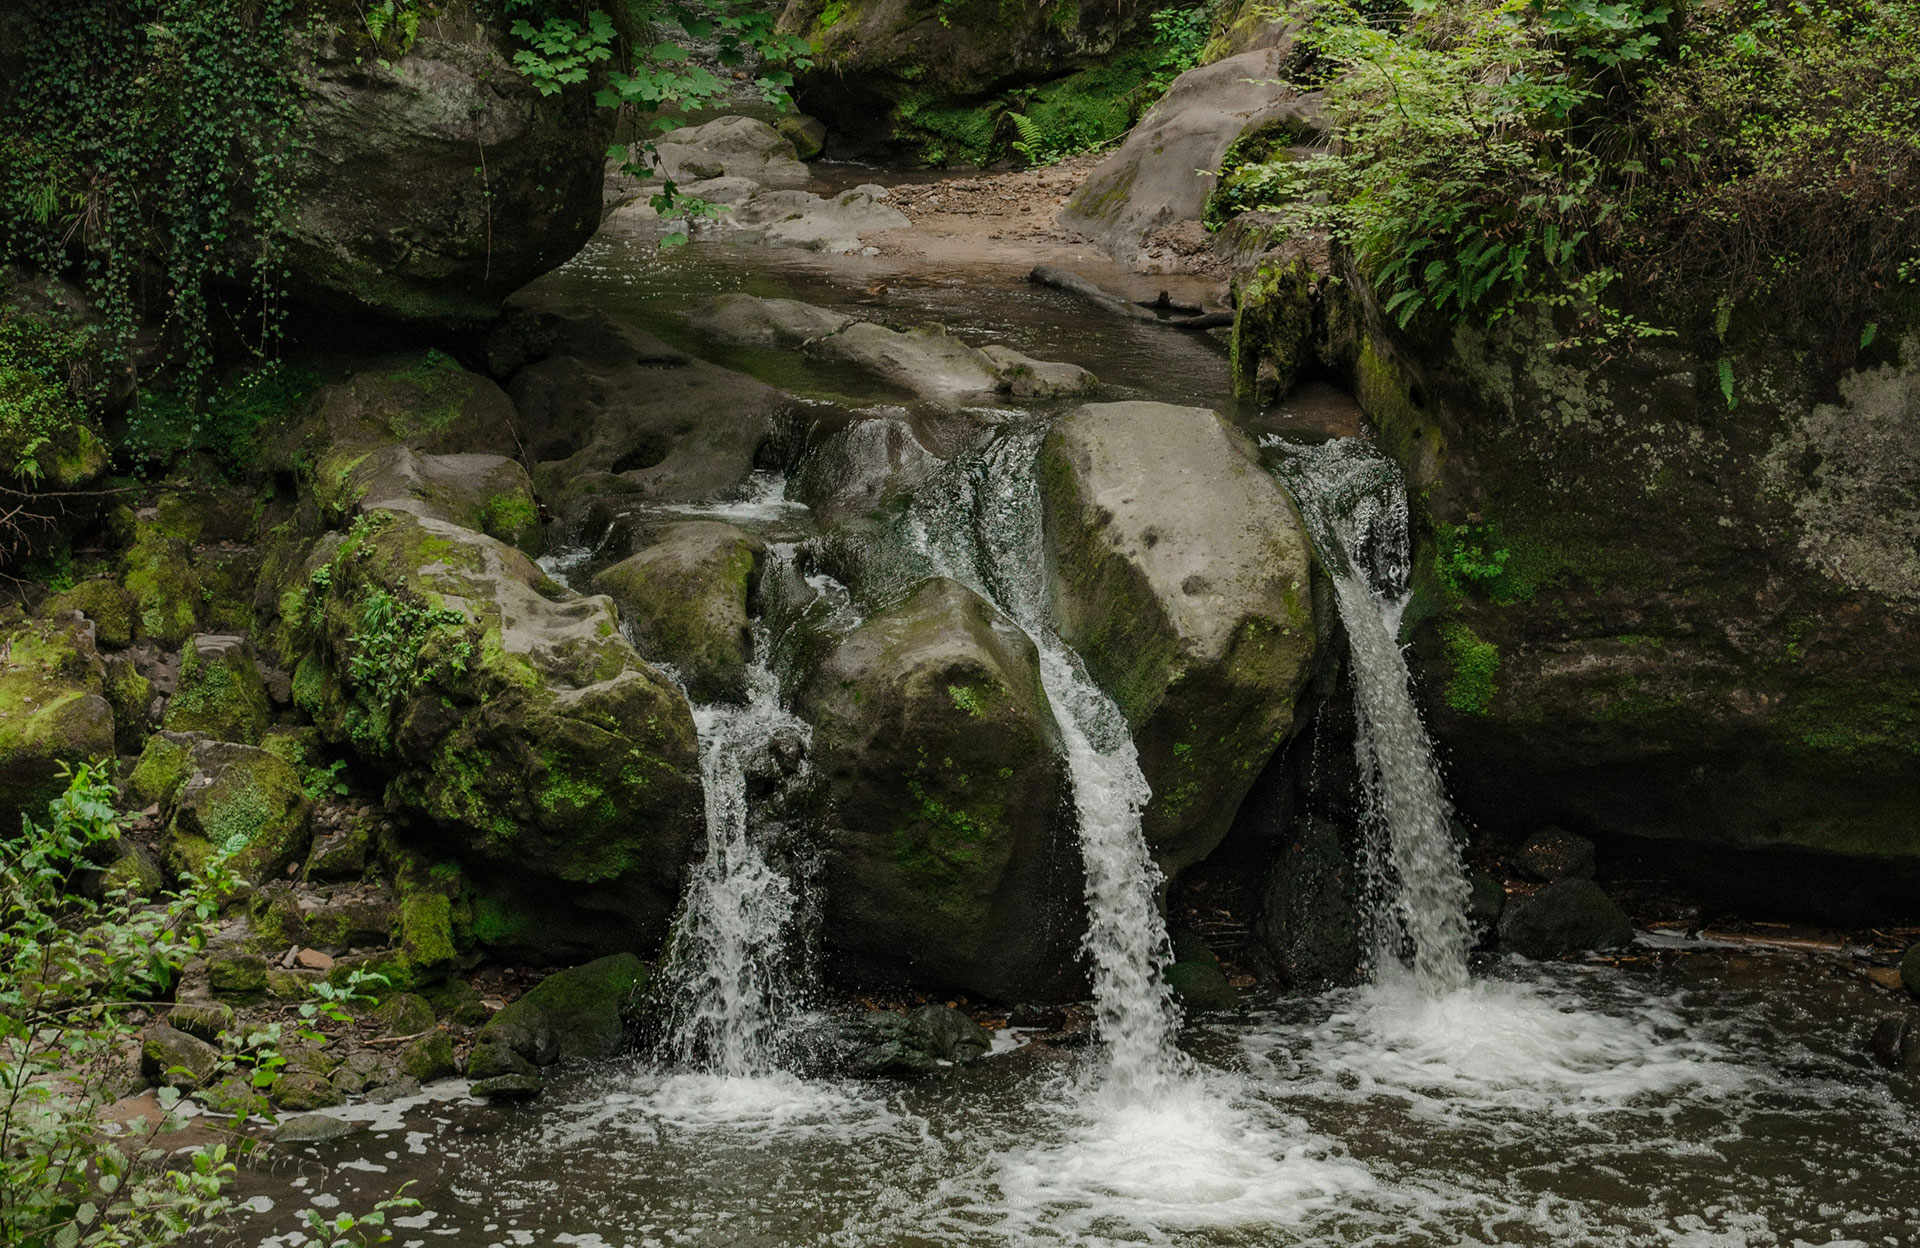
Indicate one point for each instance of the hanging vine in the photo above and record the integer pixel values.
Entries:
(145, 151)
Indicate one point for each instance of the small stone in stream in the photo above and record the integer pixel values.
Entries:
(477, 1120)
(314, 960)
(304, 1090)
(203, 1020)
(1202, 988)
(952, 1034)
(509, 1088)
(404, 1015)
(490, 1059)
(363, 1070)
(313, 1129)
(1037, 1017)
(175, 1059)
(1910, 970)
(1555, 854)
(1889, 1041)
(399, 1090)
(429, 1058)
(1567, 916)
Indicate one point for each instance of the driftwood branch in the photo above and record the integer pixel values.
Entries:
(1074, 284)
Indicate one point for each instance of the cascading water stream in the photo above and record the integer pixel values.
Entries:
(1355, 506)
(979, 522)
(730, 974)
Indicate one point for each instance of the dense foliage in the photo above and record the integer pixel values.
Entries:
(71, 971)
(1640, 164)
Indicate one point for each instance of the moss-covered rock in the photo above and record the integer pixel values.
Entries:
(1273, 336)
(159, 577)
(575, 1013)
(915, 72)
(237, 975)
(175, 1059)
(1645, 612)
(428, 1058)
(102, 600)
(950, 854)
(130, 694)
(1181, 576)
(424, 229)
(245, 806)
(508, 711)
(488, 493)
(685, 599)
(1151, 182)
(220, 691)
(136, 872)
(53, 712)
(163, 768)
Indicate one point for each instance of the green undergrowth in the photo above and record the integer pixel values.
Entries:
(1079, 112)
(1643, 168)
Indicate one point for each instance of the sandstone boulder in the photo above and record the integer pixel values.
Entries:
(1181, 576)
(951, 855)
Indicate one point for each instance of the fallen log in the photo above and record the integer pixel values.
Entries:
(1074, 284)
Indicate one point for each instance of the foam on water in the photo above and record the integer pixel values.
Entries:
(653, 1105)
(765, 499)
(1494, 1047)
(1207, 1159)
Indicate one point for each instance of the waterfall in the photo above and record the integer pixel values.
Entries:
(1355, 506)
(979, 522)
(729, 975)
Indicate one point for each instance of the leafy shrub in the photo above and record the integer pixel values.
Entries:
(71, 970)
(1636, 164)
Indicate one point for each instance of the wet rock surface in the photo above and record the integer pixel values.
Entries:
(1181, 576)
(1568, 916)
(938, 753)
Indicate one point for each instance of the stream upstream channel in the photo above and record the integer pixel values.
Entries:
(1690, 1093)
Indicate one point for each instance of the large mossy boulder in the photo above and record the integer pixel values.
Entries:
(431, 184)
(571, 1014)
(188, 568)
(1181, 576)
(104, 601)
(491, 494)
(242, 805)
(54, 713)
(420, 402)
(950, 850)
(890, 70)
(220, 691)
(684, 598)
(508, 711)
(1645, 612)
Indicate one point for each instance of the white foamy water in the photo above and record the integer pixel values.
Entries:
(778, 1104)
(732, 980)
(1206, 1159)
(765, 499)
(1496, 1046)
(1355, 508)
(979, 522)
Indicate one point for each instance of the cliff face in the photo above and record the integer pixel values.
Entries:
(1662, 596)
